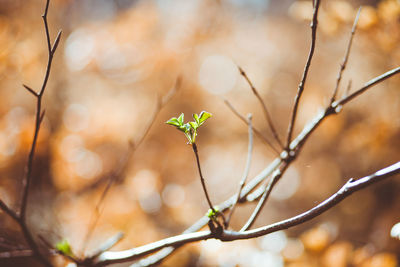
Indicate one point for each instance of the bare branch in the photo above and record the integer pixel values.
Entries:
(349, 188)
(346, 56)
(267, 191)
(109, 244)
(30, 90)
(257, 132)
(21, 220)
(111, 257)
(368, 85)
(348, 88)
(300, 89)
(294, 147)
(203, 183)
(28, 176)
(162, 101)
(264, 107)
(56, 42)
(6, 209)
(246, 169)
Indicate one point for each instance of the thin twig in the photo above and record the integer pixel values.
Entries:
(39, 117)
(203, 183)
(246, 169)
(96, 214)
(346, 57)
(369, 84)
(256, 131)
(264, 107)
(10, 212)
(110, 243)
(267, 191)
(349, 188)
(300, 89)
(295, 145)
(30, 90)
(51, 51)
(348, 88)
(161, 102)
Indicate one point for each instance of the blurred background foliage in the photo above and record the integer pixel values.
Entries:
(118, 57)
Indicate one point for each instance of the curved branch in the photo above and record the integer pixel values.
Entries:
(302, 83)
(349, 188)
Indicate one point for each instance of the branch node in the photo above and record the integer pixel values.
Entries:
(30, 90)
(56, 42)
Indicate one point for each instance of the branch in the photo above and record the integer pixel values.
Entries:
(267, 191)
(300, 89)
(10, 212)
(264, 107)
(350, 187)
(111, 257)
(125, 158)
(246, 170)
(51, 51)
(294, 149)
(203, 183)
(161, 102)
(111, 242)
(346, 57)
(366, 86)
(21, 217)
(257, 132)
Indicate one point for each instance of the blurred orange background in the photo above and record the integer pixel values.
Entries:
(117, 58)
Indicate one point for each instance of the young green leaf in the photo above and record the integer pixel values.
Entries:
(204, 115)
(194, 125)
(184, 128)
(196, 118)
(189, 128)
(64, 247)
(173, 121)
(180, 118)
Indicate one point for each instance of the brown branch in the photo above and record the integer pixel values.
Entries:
(348, 88)
(294, 147)
(110, 243)
(203, 183)
(256, 131)
(246, 170)
(10, 212)
(349, 188)
(161, 102)
(264, 107)
(300, 89)
(276, 176)
(346, 57)
(30, 90)
(21, 217)
(51, 51)
(366, 86)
